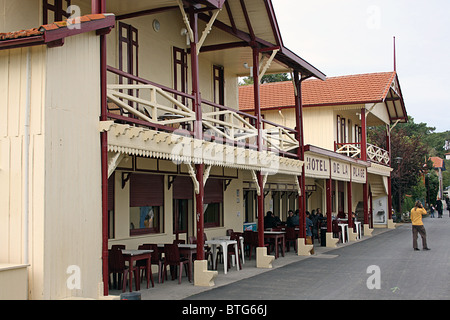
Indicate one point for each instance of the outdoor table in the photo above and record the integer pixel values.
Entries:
(277, 235)
(344, 233)
(224, 244)
(358, 229)
(134, 255)
(187, 250)
(241, 240)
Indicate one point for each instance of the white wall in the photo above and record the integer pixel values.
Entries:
(73, 215)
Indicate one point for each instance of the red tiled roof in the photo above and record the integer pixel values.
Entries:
(437, 162)
(352, 89)
(72, 26)
(20, 34)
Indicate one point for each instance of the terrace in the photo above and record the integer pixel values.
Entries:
(147, 104)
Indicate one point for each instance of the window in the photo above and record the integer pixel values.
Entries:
(341, 135)
(338, 129)
(128, 48)
(250, 205)
(357, 133)
(183, 204)
(213, 203)
(180, 71)
(54, 10)
(128, 55)
(219, 85)
(349, 131)
(146, 203)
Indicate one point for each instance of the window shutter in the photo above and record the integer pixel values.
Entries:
(146, 190)
(183, 188)
(213, 191)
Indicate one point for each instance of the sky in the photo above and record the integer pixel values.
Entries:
(342, 37)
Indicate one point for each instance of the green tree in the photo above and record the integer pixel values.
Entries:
(267, 78)
(408, 156)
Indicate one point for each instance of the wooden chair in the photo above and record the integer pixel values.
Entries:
(252, 241)
(235, 236)
(336, 230)
(173, 258)
(142, 264)
(116, 265)
(291, 236)
(157, 259)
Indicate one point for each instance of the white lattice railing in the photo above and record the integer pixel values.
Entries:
(377, 154)
(349, 149)
(149, 109)
(374, 153)
(159, 107)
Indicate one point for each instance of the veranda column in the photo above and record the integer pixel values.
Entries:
(198, 133)
(363, 135)
(349, 204)
(331, 242)
(302, 247)
(262, 259)
(390, 222)
(202, 277)
(366, 203)
(367, 229)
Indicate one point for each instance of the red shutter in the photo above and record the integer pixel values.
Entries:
(183, 188)
(146, 190)
(213, 191)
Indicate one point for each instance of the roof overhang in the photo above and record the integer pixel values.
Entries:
(53, 34)
(253, 23)
(395, 105)
(239, 27)
(140, 141)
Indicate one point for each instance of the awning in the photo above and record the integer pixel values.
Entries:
(126, 139)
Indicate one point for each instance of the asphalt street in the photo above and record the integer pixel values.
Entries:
(383, 267)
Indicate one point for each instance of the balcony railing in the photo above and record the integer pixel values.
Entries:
(145, 103)
(374, 153)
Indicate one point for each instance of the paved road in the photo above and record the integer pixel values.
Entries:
(343, 273)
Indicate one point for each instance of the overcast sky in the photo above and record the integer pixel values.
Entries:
(341, 37)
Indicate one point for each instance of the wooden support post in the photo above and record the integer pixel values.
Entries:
(363, 135)
(349, 205)
(198, 132)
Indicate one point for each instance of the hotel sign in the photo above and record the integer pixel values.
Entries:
(317, 167)
(325, 168)
(340, 170)
(359, 174)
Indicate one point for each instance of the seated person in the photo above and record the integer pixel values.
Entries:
(269, 220)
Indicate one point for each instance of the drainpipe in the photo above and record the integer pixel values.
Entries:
(26, 202)
(99, 6)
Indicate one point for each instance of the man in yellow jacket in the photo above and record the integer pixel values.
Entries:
(417, 225)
